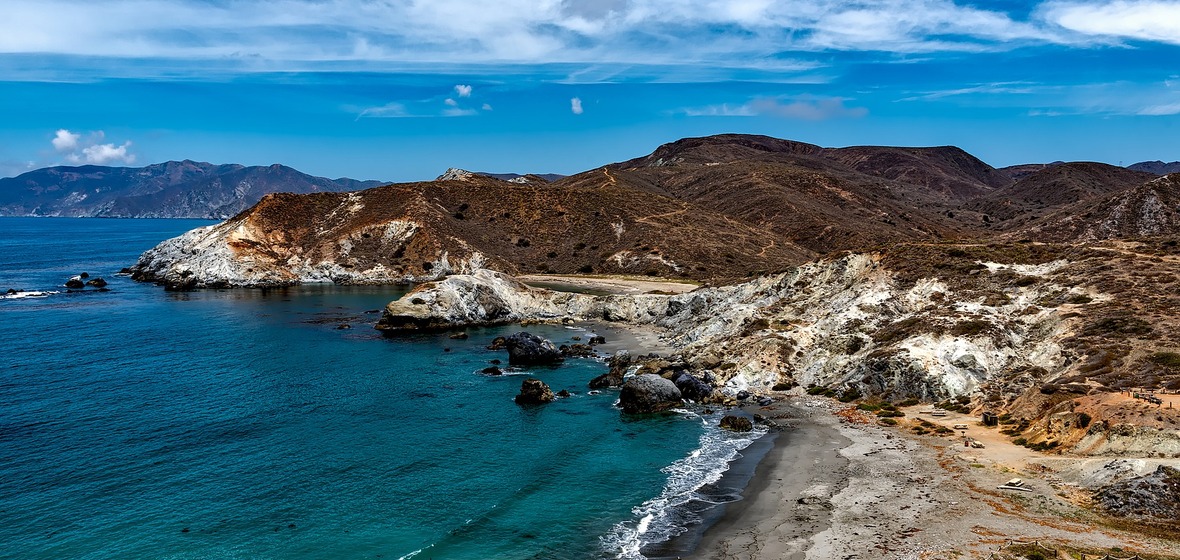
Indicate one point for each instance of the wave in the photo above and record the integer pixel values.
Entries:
(671, 513)
(33, 294)
(415, 553)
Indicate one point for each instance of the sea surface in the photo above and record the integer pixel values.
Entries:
(139, 423)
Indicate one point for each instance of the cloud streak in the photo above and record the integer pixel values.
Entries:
(808, 108)
(271, 34)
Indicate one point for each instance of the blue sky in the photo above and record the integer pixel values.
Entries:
(402, 89)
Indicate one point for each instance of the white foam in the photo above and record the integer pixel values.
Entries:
(22, 295)
(653, 520)
(415, 553)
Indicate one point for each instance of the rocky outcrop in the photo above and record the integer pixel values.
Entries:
(617, 369)
(690, 387)
(736, 423)
(1154, 497)
(527, 349)
(648, 393)
(534, 391)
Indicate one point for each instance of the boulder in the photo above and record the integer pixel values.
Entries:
(692, 388)
(596, 340)
(498, 343)
(459, 336)
(618, 368)
(563, 394)
(10, 291)
(97, 282)
(529, 349)
(576, 350)
(493, 370)
(648, 393)
(75, 282)
(534, 391)
(736, 423)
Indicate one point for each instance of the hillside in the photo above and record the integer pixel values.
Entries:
(175, 189)
(1052, 188)
(415, 231)
(1147, 210)
(825, 199)
(1156, 167)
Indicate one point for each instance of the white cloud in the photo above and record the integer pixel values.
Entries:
(463, 91)
(65, 141)
(91, 149)
(716, 33)
(1145, 20)
(487, 107)
(576, 106)
(1161, 110)
(451, 102)
(102, 154)
(805, 107)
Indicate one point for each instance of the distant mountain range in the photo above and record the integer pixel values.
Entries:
(174, 189)
(1157, 167)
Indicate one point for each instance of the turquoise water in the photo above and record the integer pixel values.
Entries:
(138, 423)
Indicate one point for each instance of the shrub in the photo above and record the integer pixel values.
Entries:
(1020, 441)
(816, 390)
(1166, 359)
(888, 421)
(909, 402)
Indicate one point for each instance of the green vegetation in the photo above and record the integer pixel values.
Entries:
(1166, 359)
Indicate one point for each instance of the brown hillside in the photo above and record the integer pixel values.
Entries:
(1151, 209)
(1052, 188)
(523, 228)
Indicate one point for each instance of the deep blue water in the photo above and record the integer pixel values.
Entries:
(138, 423)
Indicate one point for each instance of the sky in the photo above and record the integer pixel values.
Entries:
(400, 90)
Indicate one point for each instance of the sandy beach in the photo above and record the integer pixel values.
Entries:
(603, 285)
(839, 486)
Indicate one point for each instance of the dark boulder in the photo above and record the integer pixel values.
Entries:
(529, 349)
(691, 387)
(75, 282)
(534, 391)
(596, 340)
(618, 368)
(563, 394)
(84, 275)
(648, 393)
(765, 401)
(97, 282)
(743, 395)
(10, 291)
(736, 423)
(493, 370)
(459, 336)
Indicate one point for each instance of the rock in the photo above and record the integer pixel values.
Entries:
(84, 275)
(124, 270)
(529, 349)
(10, 291)
(743, 395)
(1152, 496)
(576, 350)
(97, 282)
(75, 282)
(498, 343)
(736, 423)
(343, 327)
(648, 393)
(692, 388)
(459, 336)
(765, 401)
(534, 391)
(596, 340)
(493, 370)
(618, 368)
(563, 394)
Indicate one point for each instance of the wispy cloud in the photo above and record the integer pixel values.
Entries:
(719, 34)
(1144, 20)
(91, 149)
(576, 106)
(460, 105)
(804, 107)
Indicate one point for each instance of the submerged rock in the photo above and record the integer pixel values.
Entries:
(75, 282)
(736, 423)
(576, 350)
(97, 282)
(492, 370)
(648, 393)
(529, 349)
(534, 391)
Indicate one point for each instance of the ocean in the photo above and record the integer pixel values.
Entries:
(139, 423)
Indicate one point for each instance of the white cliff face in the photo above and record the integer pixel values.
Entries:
(828, 323)
(237, 253)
